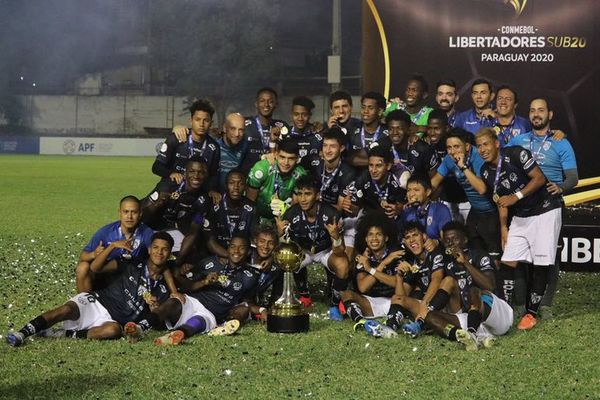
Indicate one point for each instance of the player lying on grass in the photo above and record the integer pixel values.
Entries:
(100, 314)
(215, 287)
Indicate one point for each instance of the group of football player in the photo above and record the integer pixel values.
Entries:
(423, 219)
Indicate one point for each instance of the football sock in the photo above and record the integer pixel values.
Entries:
(76, 334)
(439, 300)
(473, 320)
(539, 278)
(301, 280)
(34, 326)
(149, 322)
(353, 311)
(553, 274)
(519, 297)
(450, 332)
(196, 324)
(395, 316)
(338, 286)
(507, 279)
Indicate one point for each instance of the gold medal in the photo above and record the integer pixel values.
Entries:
(414, 268)
(495, 197)
(175, 195)
(147, 296)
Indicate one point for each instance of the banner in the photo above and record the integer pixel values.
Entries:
(92, 146)
(581, 248)
(543, 48)
(19, 145)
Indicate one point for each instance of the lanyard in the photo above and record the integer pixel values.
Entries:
(265, 140)
(547, 135)
(191, 146)
(506, 131)
(380, 193)
(418, 115)
(313, 229)
(148, 279)
(276, 180)
(375, 136)
(230, 225)
(497, 178)
(374, 259)
(326, 183)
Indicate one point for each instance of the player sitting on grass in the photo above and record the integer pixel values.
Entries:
(215, 288)
(316, 227)
(128, 227)
(99, 315)
(376, 268)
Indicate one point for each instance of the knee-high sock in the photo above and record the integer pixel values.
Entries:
(506, 279)
(395, 315)
(353, 311)
(553, 276)
(337, 287)
(196, 324)
(301, 280)
(539, 279)
(34, 326)
(520, 285)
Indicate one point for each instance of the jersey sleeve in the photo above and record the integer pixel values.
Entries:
(567, 155)
(258, 174)
(99, 236)
(444, 168)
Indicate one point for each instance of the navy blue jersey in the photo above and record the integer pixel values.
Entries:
(312, 236)
(360, 139)
(174, 155)
(477, 258)
(516, 164)
(419, 159)
(309, 143)
(180, 210)
(506, 133)
(223, 221)
(433, 216)
(123, 298)
(380, 289)
(234, 285)
(112, 233)
(332, 184)
(258, 137)
(266, 279)
(368, 194)
(434, 261)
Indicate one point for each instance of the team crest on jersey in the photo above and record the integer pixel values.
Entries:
(485, 261)
(136, 243)
(206, 223)
(512, 177)
(258, 174)
(248, 207)
(242, 225)
(237, 286)
(302, 153)
(164, 147)
(209, 265)
(335, 188)
(505, 183)
(359, 193)
(429, 220)
(485, 174)
(523, 156)
(425, 281)
(546, 146)
(462, 283)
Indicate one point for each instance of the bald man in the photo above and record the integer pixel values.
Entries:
(233, 147)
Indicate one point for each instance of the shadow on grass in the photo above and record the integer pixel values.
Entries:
(71, 385)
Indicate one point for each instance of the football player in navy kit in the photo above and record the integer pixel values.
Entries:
(340, 106)
(377, 188)
(215, 286)
(376, 268)
(233, 215)
(129, 227)
(316, 227)
(262, 130)
(370, 133)
(180, 208)
(173, 155)
(517, 184)
(100, 314)
(303, 132)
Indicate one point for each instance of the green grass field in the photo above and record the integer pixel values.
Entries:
(49, 208)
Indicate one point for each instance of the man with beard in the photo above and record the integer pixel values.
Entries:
(262, 130)
(233, 147)
(556, 159)
(482, 114)
(446, 99)
(518, 185)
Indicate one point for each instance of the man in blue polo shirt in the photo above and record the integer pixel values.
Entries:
(482, 114)
(129, 227)
(507, 123)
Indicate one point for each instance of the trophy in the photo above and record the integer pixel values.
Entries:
(287, 314)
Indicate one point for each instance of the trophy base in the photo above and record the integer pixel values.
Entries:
(292, 324)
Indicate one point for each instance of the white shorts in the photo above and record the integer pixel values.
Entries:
(534, 239)
(497, 323)
(177, 238)
(379, 305)
(192, 308)
(349, 231)
(459, 211)
(91, 313)
(321, 257)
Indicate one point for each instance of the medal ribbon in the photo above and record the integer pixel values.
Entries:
(375, 136)
(191, 146)
(264, 140)
(498, 171)
(325, 184)
(547, 135)
(380, 193)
